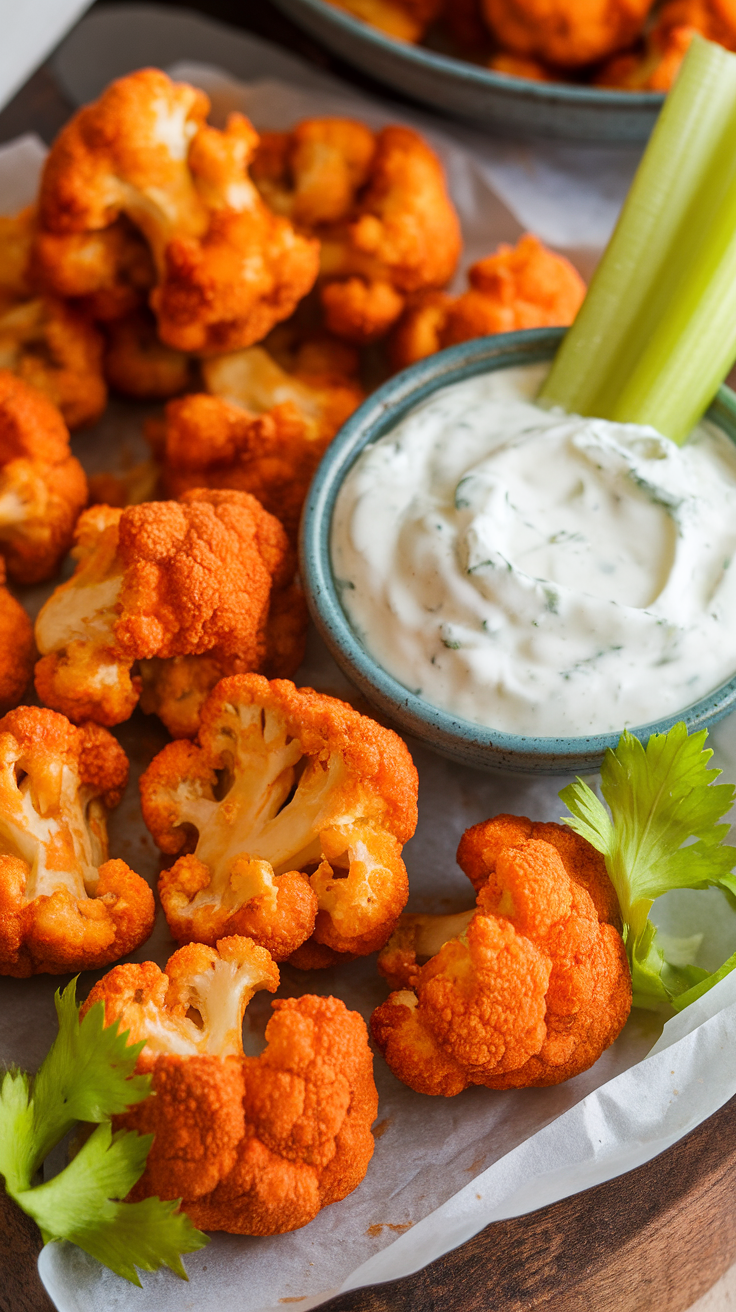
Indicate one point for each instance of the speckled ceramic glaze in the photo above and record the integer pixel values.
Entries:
(512, 105)
(461, 740)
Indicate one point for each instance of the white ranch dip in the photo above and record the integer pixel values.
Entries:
(537, 572)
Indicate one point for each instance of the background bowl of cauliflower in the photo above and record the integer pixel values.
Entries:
(592, 70)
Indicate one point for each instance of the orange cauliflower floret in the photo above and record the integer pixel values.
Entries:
(210, 443)
(63, 905)
(293, 806)
(137, 364)
(227, 268)
(108, 273)
(406, 20)
(569, 33)
(379, 204)
(266, 1141)
(42, 486)
(522, 286)
(57, 351)
(166, 597)
(526, 990)
(317, 375)
(17, 647)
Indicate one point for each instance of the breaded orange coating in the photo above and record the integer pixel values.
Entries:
(108, 272)
(211, 443)
(526, 990)
(380, 206)
(63, 905)
(227, 268)
(252, 1145)
(522, 286)
(569, 33)
(301, 836)
(652, 68)
(165, 581)
(17, 648)
(407, 20)
(138, 364)
(42, 486)
(56, 350)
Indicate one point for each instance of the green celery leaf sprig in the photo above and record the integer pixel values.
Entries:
(88, 1075)
(656, 333)
(663, 832)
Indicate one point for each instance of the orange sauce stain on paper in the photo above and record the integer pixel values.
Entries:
(375, 1230)
(300, 1299)
(382, 1127)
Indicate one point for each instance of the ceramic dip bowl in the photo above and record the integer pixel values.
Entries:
(460, 739)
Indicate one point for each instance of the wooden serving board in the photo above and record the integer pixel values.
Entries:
(653, 1240)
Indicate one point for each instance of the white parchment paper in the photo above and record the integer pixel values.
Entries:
(443, 1168)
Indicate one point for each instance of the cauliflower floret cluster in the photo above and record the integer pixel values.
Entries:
(522, 286)
(266, 1141)
(182, 591)
(407, 20)
(42, 486)
(291, 811)
(529, 988)
(17, 648)
(227, 269)
(379, 204)
(63, 905)
(568, 33)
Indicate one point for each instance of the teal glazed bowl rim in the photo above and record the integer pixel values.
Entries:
(460, 739)
(434, 60)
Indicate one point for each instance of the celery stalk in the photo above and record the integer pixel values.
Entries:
(656, 334)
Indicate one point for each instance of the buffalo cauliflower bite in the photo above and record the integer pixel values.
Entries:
(378, 203)
(227, 268)
(291, 812)
(138, 364)
(56, 350)
(108, 273)
(319, 380)
(204, 579)
(266, 1141)
(42, 486)
(407, 20)
(522, 286)
(210, 443)
(17, 647)
(569, 33)
(63, 905)
(528, 988)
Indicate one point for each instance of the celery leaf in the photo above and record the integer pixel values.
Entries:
(663, 833)
(78, 1205)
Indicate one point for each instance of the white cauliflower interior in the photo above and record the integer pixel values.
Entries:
(51, 823)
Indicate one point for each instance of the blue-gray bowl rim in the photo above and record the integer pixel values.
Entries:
(446, 733)
(439, 63)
